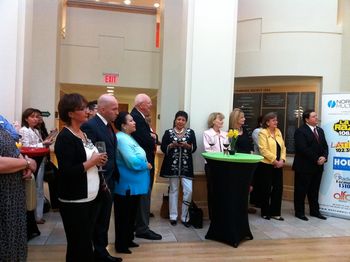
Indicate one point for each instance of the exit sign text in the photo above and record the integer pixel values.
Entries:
(111, 78)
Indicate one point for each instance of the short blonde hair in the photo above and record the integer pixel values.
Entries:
(213, 116)
(234, 117)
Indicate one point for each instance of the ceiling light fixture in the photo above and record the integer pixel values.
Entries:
(110, 87)
(110, 91)
(127, 2)
(156, 5)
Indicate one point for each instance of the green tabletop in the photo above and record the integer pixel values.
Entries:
(238, 157)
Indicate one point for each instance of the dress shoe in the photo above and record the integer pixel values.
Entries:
(151, 215)
(133, 244)
(319, 216)
(173, 222)
(107, 258)
(186, 224)
(41, 221)
(32, 235)
(266, 217)
(279, 218)
(124, 250)
(251, 210)
(302, 217)
(149, 235)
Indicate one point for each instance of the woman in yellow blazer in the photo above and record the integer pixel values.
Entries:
(272, 148)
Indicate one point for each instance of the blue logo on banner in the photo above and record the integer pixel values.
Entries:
(341, 163)
(331, 103)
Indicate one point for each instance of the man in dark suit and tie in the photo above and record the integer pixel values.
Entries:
(99, 128)
(311, 152)
(147, 140)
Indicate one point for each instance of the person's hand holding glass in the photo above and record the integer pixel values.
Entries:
(101, 147)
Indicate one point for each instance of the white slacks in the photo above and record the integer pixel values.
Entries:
(174, 196)
(40, 191)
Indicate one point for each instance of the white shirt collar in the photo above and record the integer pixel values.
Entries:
(102, 118)
(141, 113)
(312, 127)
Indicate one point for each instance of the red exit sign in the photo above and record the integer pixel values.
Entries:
(110, 78)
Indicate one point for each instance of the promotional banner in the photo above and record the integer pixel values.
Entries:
(334, 197)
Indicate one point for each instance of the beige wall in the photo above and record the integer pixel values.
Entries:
(289, 38)
(100, 42)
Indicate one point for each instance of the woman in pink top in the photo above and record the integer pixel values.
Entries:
(213, 139)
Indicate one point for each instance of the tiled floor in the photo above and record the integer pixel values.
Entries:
(52, 232)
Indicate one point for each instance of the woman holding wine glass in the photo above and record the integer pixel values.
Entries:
(79, 181)
(214, 141)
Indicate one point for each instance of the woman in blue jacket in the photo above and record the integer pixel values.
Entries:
(134, 171)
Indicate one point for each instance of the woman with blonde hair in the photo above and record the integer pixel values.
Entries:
(236, 121)
(213, 140)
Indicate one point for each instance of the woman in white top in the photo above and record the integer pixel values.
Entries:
(31, 137)
(79, 181)
(213, 140)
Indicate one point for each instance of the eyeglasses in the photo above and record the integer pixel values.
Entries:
(81, 108)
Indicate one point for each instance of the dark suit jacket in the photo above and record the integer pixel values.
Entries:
(96, 130)
(71, 155)
(308, 150)
(143, 135)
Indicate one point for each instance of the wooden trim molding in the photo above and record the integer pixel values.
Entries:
(112, 7)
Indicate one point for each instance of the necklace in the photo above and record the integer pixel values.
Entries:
(86, 141)
(80, 135)
(179, 132)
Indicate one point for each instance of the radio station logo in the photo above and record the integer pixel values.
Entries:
(342, 127)
(342, 196)
(341, 163)
(342, 181)
(341, 146)
(341, 103)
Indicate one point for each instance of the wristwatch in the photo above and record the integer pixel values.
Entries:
(28, 163)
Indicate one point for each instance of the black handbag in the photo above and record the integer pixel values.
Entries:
(196, 215)
(50, 171)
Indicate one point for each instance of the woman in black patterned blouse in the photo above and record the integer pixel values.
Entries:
(178, 144)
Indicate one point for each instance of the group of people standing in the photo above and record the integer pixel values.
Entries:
(91, 179)
(311, 152)
(87, 193)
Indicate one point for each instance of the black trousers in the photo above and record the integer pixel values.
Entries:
(306, 184)
(271, 190)
(255, 195)
(104, 210)
(125, 209)
(78, 221)
(144, 209)
(209, 190)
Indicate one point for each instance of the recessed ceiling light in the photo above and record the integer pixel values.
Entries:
(156, 5)
(110, 87)
(110, 91)
(127, 2)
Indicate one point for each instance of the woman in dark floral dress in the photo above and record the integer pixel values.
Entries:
(178, 144)
(13, 228)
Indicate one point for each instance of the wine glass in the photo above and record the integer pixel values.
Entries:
(211, 141)
(226, 144)
(101, 147)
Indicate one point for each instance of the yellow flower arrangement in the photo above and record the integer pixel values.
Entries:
(232, 136)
